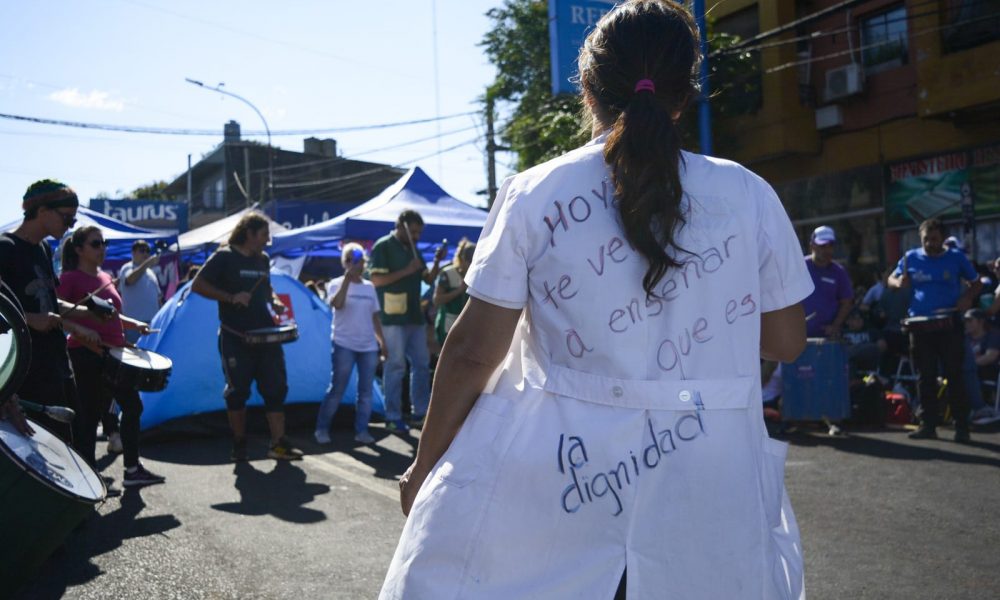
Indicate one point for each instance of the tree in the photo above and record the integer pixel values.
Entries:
(152, 191)
(543, 126)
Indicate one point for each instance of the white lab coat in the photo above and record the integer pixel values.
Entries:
(620, 431)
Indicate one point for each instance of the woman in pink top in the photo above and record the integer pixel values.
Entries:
(82, 257)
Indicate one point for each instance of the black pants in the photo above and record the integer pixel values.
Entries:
(244, 363)
(53, 392)
(95, 401)
(947, 349)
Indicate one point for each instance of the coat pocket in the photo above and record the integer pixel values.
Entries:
(394, 304)
(474, 448)
(772, 479)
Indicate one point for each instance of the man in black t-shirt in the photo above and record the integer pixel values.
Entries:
(26, 267)
(238, 278)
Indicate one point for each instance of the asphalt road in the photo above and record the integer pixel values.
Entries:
(881, 517)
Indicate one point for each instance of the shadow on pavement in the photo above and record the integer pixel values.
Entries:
(942, 449)
(71, 565)
(281, 493)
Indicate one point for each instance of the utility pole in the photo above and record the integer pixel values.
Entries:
(704, 109)
(270, 158)
(491, 154)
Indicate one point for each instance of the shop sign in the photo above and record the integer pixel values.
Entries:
(569, 23)
(957, 186)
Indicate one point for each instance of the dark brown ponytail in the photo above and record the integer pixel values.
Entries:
(654, 40)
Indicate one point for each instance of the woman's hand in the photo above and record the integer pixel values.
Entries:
(409, 485)
(11, 411)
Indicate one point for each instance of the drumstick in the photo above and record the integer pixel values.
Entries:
(412, 245)
(57, 413)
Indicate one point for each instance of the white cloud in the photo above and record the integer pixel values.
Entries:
(95, 99)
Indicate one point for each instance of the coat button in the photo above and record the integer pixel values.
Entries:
(684, 396)
(617, 391)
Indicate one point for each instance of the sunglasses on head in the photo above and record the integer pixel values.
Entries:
(97, 243)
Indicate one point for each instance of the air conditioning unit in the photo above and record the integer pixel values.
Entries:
(843, 82)
(829, 116)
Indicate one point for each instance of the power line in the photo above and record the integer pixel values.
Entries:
(215, 132)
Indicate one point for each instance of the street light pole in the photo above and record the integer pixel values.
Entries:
(270, 161)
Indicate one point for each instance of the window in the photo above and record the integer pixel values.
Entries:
(970, 23)
(884, 41)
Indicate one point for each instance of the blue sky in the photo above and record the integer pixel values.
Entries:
(305, 64)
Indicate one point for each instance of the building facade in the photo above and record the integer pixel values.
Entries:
(872, 116)
(237, 173)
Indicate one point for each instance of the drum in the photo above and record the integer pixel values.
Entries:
(136, 369)
(272, 335)
(46, 490)
(816, 385)
(929, 324)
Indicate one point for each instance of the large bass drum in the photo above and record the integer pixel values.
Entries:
(46, 490)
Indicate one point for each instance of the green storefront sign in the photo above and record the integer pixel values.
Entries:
(936, 187)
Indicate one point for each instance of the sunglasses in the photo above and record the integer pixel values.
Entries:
(68, 218)
(97, 243)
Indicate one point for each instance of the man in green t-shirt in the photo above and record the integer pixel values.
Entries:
(396, 271)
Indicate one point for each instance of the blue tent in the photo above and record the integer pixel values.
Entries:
(445, 217)
(188, 336)
(119, 234)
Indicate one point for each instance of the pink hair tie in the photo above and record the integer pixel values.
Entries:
(645, 85)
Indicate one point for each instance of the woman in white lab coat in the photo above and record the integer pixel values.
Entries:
(597, 406)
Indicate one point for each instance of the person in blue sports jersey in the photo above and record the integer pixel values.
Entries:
(944, 282)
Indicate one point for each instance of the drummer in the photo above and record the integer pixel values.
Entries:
(26, 267)
(237, 276)
(944, 283)
(82, 256)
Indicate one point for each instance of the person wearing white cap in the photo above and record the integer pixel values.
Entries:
(833, 297)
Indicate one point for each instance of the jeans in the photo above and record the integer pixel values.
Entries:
(343, 365)
(947, 348)
(406, 342)
(970, 375)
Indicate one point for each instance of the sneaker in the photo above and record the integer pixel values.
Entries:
(140, 476)
(363, 437)
(398, 425)
(115, 443)
(962, 436)
(284, 451)
(239, 453)
(322, 437)
(984, 416)
(924, 432)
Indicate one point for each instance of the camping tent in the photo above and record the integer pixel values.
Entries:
(188, 325)
(445, 217)
(119, 234)
(198, 243)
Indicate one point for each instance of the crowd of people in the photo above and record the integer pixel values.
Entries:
(931, 317)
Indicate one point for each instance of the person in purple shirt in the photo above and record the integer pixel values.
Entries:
(944, 284)
(833, 297)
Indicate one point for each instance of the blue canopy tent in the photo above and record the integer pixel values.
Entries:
(445, 217)
(119, 234)
(188, 327)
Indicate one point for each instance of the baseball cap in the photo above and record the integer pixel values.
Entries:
(954, 243)
(823, 235)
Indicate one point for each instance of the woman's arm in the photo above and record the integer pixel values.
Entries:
(783, 333)
(475, 347)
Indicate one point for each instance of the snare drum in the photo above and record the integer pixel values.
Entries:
(928, 324)
(46, 490)
(272, 335)
(136, 369)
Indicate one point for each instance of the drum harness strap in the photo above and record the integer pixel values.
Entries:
(235, 332)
